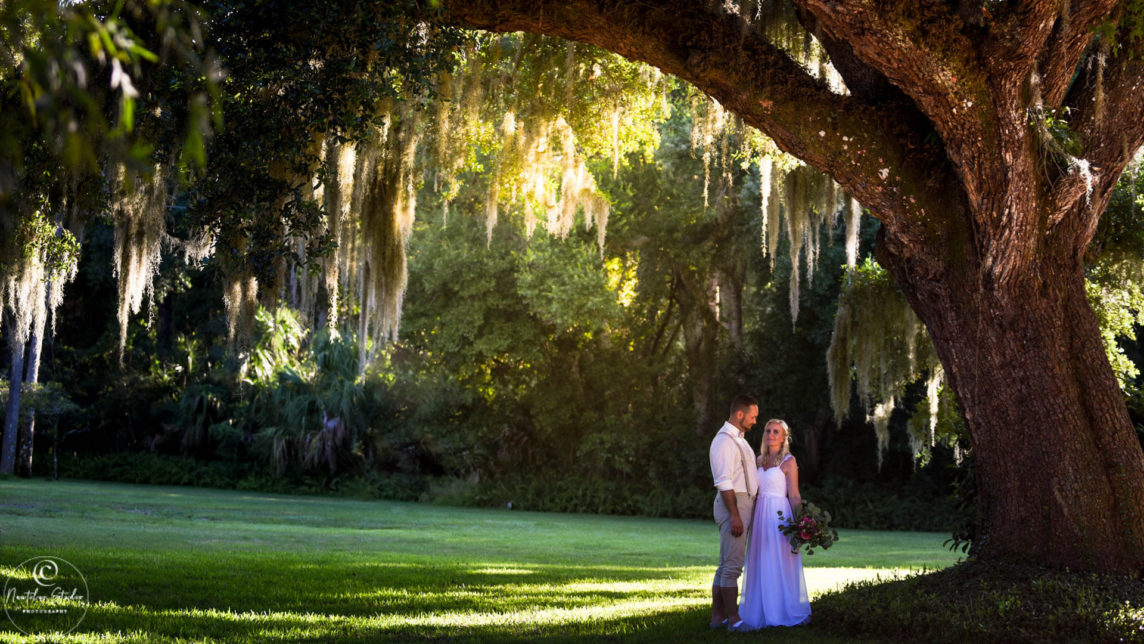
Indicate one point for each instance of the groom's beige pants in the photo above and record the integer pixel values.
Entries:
(732, 549)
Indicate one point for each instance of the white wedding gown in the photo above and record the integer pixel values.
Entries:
(774, 593)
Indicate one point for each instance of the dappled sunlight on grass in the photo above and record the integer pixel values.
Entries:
(15, 573)
(191, 565)
(487, 601)
(493, 612)
(293, 626)
(503, 571)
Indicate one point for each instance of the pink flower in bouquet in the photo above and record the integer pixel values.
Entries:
(805, 535)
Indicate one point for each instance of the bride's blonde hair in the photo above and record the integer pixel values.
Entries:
(784, 450)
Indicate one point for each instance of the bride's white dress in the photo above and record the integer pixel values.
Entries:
(774, 593)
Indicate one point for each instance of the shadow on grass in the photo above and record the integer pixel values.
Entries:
(991, 601)
(245, 598)
(186, 596)
(651, 621)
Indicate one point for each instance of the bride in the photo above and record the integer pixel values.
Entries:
(774, 593)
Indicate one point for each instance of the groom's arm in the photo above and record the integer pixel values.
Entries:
(723, 471)
(733, 506)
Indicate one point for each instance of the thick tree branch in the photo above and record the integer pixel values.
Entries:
(1107, 104)
(863, 81)
(868, 149)
(974, 80)
(967, 79)
(1017, 36)
(1108, 118)
(1072, 36)
(923, 53)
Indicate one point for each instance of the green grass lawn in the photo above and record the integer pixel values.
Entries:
(186, 564)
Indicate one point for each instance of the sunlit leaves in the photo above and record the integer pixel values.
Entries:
(84, 70)
(1115, 283)
(55, 247)
(566, 286)
(535, 112)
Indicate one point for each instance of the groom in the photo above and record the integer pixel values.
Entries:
(733, 468)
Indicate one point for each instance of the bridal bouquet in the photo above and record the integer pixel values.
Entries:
(810, 528)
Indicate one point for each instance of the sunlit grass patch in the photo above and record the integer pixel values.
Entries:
(822, 580)
(175, 564)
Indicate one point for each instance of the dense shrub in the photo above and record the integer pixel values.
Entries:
(993, 601)
(866, 506)
(863, 506)
(885, 506)
(593, 495)
(159, 469)
(155, 469)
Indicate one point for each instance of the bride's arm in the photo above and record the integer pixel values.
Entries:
(790, 469)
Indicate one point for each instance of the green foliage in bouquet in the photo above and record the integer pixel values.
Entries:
(810, 527)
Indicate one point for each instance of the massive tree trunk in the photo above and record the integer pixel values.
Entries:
(1060, 473)
(977, 133)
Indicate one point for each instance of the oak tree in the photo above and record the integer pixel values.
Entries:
(987, 138)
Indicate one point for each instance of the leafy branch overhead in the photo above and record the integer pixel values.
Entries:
(922, 122)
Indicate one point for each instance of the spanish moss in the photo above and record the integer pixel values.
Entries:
(139, 232)
(879, 341)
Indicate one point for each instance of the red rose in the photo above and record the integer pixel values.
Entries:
(806, 536)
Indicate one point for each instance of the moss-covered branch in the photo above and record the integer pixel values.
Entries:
(870, 150)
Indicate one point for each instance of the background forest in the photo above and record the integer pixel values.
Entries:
(578, 370)
(531, 371)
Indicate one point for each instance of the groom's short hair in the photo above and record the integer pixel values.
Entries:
(743, 402)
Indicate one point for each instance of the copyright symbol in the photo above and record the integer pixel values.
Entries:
(44, 572)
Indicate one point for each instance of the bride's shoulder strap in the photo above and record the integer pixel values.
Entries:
(788, 457)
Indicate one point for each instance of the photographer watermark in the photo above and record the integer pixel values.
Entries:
(45, 595)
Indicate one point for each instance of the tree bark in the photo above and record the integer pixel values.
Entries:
(985, 215)
(731, 302)
(1060, 472)
(12, 411)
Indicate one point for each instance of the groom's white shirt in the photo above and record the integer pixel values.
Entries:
(733, 462)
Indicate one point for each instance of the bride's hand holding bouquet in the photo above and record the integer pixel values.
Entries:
(810, 527)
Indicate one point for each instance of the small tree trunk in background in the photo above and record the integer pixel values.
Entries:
(12, 411)
(810, 451)
(322, 312)
(166, 324)
(698, 310)
(32, 376)
(731, 302)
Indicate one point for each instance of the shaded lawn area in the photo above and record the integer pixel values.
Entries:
(188, 564)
